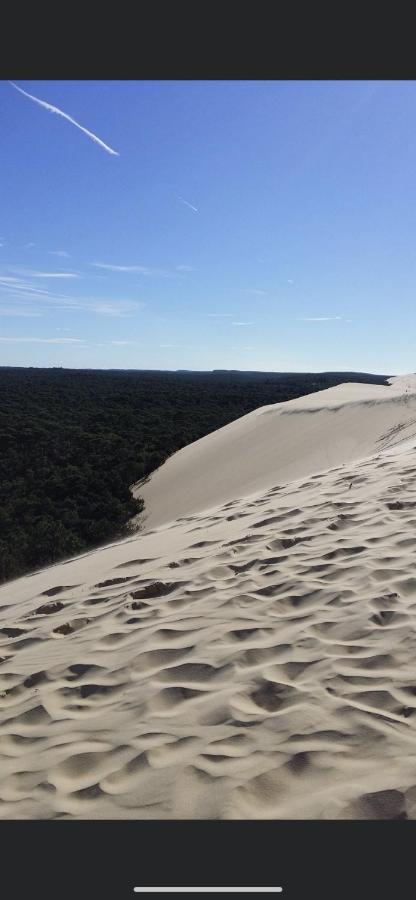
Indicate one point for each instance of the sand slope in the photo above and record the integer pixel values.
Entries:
(256, 660)
(281, 442)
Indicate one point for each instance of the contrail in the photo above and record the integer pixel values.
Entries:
(54, 109)
(186, 203)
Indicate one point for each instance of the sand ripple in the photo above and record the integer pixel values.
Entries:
(265, 670)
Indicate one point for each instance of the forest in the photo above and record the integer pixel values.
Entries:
(74, 441)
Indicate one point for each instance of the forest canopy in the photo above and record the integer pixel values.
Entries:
(74, 441)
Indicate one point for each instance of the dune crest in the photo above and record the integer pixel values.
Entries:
(280, 443)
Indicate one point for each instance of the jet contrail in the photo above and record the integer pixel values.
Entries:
(186, 203)
(54, 109)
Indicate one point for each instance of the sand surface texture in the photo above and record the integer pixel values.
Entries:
(252, 659)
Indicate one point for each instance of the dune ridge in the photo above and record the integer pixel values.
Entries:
(282, 442)
(253, 660)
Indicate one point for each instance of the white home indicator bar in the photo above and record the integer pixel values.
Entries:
(209, 890)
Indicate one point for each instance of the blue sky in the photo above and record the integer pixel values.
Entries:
(243, 224)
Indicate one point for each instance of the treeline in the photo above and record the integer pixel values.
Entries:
(73, 441)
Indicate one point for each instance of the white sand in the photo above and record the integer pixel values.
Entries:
(256, 659)
(280, 443)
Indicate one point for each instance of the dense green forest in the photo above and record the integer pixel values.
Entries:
(73, 441)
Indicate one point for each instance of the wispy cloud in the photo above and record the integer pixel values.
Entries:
(243, 323)
(124, 343)
(132, 270)
(59, 112)
(50, 274)
(118, 309)
(290, 281)
(23, 291)
(320, 319)
(220, 315)
(257, 291)
(17, 285)
(186, 203)
(23, 313)
(59, 253)
(185, 269)
(34, 273)
(38, 340)
(142, 270)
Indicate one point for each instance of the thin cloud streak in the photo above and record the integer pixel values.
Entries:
(132, 270)
(52, 274)
(141, 270)
(34, 273)
(23, 292)
(23, 313)
(36, 340)
(59, 112)
(321, 319)
(186, 203)
(120, 309)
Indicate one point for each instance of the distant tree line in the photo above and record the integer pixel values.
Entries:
(72, 442)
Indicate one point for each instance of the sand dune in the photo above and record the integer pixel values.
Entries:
(254, 658)
(281, 442)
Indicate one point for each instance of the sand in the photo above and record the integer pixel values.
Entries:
(250, 659)
(281, 442)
